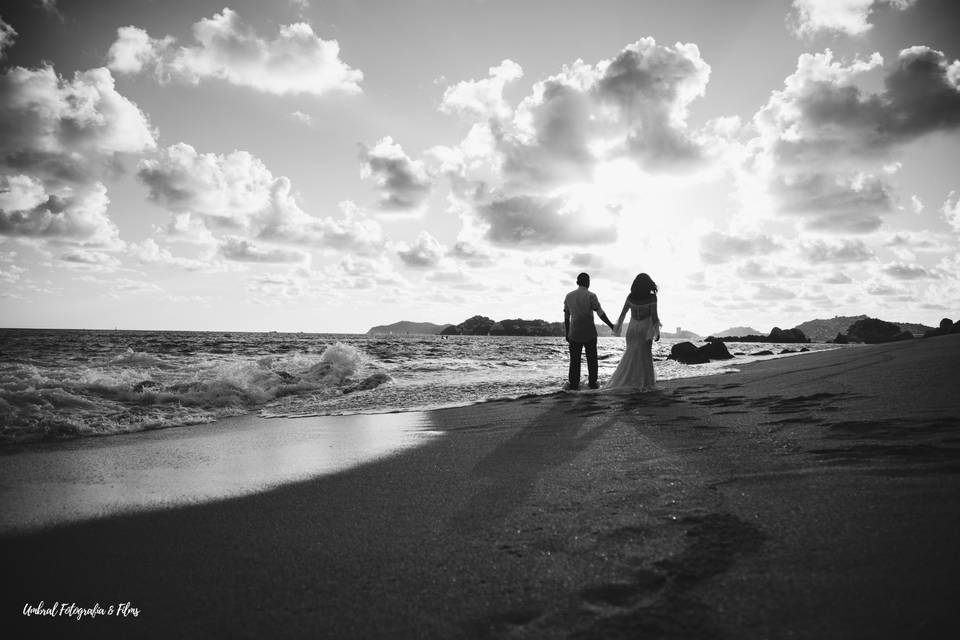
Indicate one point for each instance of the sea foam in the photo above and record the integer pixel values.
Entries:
(133, 391)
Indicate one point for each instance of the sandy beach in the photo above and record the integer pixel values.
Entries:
(815, 496)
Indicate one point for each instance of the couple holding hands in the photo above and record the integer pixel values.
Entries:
(635, 371)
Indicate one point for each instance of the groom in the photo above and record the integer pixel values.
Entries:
(578, 308)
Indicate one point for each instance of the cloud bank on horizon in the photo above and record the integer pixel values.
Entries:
(477, 194)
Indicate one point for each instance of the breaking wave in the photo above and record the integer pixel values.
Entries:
(135, 391)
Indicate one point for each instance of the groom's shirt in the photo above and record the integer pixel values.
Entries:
(581, 303)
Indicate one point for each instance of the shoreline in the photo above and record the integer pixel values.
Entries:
(812, 497)
(37, 441)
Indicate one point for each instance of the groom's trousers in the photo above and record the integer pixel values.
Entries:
(576, 350)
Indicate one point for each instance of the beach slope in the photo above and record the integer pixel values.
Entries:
(815, 496)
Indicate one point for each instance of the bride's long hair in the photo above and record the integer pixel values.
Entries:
(643, 288)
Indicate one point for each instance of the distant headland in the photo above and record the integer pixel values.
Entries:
(839, 329)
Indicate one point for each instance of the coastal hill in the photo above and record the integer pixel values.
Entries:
(482, 326)
(736, 331)
(820, 330)
(827, 329)
(681, 334)
(404, 326)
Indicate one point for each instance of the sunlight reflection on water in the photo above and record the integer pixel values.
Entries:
(95, 478)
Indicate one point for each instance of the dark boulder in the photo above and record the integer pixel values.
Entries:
(765, 352)
(715, 351)
(687, 353)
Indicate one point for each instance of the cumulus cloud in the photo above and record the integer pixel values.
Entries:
(844, 16)
(64, 131)
(818, 137)
(148, 251)
(772, 292)
(277, 286)
(425, 252)
(901, 271)
(633, 105)
(846, 251)
(522, 174)
(548, 142)
(482, 98)
(650, 88)
(837, 277)
(822, 112)
(951, 210)
(755, 270)
(20, 193)
(134, 49)
(831, 202)
(471, 254)
(353, 231)
(363, 272)
(229, 187)
(304, 118)
(58, 137)
(72, 215)
(296, 61)
(187, 228)
(236, 193)
(916, 204)
(242, 250)
(7, 36)
(718, 248)
(10, 273)
(907, 244)
(404, 183)
(92, 260)
(543, 221)
(882, 289)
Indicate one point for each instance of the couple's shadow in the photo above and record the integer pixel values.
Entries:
(571, 422)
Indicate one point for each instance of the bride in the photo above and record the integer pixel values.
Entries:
(635, 371)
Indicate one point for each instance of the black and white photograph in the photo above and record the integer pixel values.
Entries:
(510, 319)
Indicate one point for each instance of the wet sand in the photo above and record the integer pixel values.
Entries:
(815, 496)
(49, 484)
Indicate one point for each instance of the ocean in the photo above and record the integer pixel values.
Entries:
(62, 384)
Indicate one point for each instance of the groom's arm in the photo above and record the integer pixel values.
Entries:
(603, 316)
(566, 323)
(606, 320)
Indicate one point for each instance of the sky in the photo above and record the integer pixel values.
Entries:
(328, 166)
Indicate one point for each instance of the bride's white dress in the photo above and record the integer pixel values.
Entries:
(635, 371)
